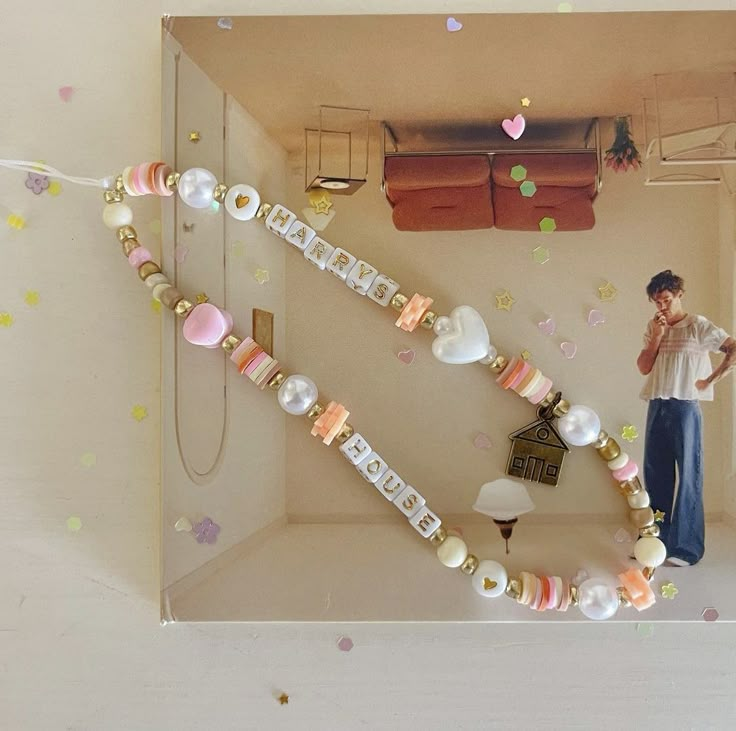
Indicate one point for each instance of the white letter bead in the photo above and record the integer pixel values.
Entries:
(372, 467)
(490, 579)
(355, 449)
(426, 522)
(299, 235)
(452, 552)
(318, 252)
(361, 277)
(341, 262)
(383, 289)
(242, 202)
(390, 485)
(409, 502)
(279, 220)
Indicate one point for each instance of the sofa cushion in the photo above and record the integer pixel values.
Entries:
(436, 171)
(571, 208)
(572, 170)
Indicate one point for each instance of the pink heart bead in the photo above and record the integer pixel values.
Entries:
(515, 127)
(207, 325)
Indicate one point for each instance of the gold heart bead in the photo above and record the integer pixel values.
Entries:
(488, 584)
(241, 200)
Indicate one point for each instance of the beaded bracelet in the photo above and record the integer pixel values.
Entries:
(209, 326)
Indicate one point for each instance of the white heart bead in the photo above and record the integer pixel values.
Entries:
(490, 579)
(461, 338)
(242, 202)
(452, 552)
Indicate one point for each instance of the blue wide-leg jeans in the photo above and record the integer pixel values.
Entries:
(674, 442)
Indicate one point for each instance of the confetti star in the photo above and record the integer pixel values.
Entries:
(283, 699)
(607, 292)
(658, 516)
(139, 412)
(31, 298)
(323, 206)
(262, 276)
(202, 298)
(6, 319)
(525, 354)
(504, 301)
(669, 590)
(629, 433)
(526, 101)
(540, 255)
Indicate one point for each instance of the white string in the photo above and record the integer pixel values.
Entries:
(43, 169)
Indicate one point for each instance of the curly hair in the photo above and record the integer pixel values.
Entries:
(665, 280)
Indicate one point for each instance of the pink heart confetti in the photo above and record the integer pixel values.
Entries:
(482, 441)
(595, 318)
(407, 356)
(66, 93)
(622, 536)
(515, 127)
(569, 349)
(180, 253)
(548, 326)
(345, 644)
(454, 25)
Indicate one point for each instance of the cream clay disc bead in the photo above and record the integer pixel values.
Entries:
(242, 202)
(157, 278)
(650, 551)
(490, 579)
(452, 552)
(159, 289)
(117, 215)
(640, 500)
(618, 462)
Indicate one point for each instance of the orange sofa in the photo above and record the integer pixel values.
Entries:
(462, 192)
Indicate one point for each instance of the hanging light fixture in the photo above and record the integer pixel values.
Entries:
(504, 500)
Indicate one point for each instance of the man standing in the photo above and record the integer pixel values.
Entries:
(678, 369)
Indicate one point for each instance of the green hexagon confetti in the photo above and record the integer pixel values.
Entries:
(528, 189)
(540, 255)
(547, 225)
(518, 172)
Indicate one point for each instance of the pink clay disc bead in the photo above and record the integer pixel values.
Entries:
(162, 172)
(139, 256)
(139, 178)
(627, 472)
(541, 392)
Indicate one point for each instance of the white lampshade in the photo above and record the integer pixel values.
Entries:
(503, 499)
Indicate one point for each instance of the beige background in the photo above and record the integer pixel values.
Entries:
(80, 645)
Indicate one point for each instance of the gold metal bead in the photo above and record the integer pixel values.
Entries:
(398, 301)
(126, 232)
(548, 399)
(602, 439)
(277, 381)
(642, 517)
(498, 363)
(648, 572)
(610, 450)
(145, 270)
(263, 211)
(428, 320)
(230, 343)
(129, 246)
(113, 196)
(561, 408)
(438, 537)
(315, 412)
(345, 433)
(513, 588)
(220, 192)
(194, 136)
(630, 487)
(623, 600)
(183, 308)
(119, 185)
(574, 596)
(470, 564)
(649, 530)
(172, 180)
(170, 296)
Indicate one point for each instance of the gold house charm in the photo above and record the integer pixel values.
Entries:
(537, 451)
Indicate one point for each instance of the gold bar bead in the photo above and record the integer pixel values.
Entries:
(470, 565)
(315, 412)
(263, 211)
(602, 439)
(610, 450)
(113, 196)
(648, 572)
(183, 307)
(513, 589)
(277, 381)
(561, 408)
(623, 600)
(548, 399)
(126, 232)
(649, 530)
(438, 537)
(498, 363)
(427, 322)
(147, 268)
(129, 246)
(119, 185)
(220, 192)
(170, 296)
(399, 301)
(172, 180)
(230, 343)
(630, 487)
(574, 597)
(345, 433)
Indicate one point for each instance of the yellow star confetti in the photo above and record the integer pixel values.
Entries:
(283, 699)
(669, 590)
(54, 187)
(322, 207)
(156, 306)
(504, 301)
(32, 298)
(139, 412)
(658, 516)
(262, 276)
(629, 433)
(321, 201)
(15, 221)
(73, 524)
(202, 298)
(6, 319)
(607, 292)
(88, 459)
(525, 354)
(526, 101)
(540, 255)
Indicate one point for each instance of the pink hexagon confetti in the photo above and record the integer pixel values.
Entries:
(345, 644)
(710, 614)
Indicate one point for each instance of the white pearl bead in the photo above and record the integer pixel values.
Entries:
(640, 500)
(618, 462)
(579, 426)
(452, 552)
(298, 394)
(117, 215)
(196, 187)
(597, 599)
(650, 551)
(490, 579)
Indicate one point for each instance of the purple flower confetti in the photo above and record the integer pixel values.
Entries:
(37, 183)
(206, 531)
